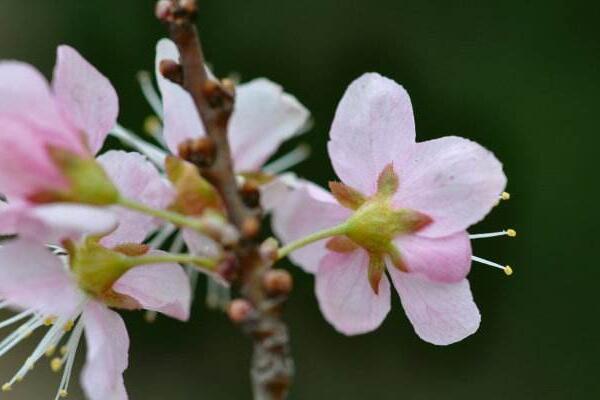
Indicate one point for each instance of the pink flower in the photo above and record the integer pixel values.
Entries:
(44, 127)
(264, 116)
(47, 291)
(406, 207)
(74, 115)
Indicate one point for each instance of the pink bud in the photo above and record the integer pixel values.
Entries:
(163, 10)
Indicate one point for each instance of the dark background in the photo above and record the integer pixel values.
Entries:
(520, 77)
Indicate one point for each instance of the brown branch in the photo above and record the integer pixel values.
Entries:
(272, 365)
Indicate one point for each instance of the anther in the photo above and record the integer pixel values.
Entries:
(50, 352)
(506, 268)
(505, 196)
(49, 321)
(63, 393)
(511, 232)
(68, 326)
(7, 387)
(56, 364)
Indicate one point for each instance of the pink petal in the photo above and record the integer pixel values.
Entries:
(201, 245)
(274, 193)
(8, 223)
(453, 180)
(85, 96)
(441, 313)
(345, 296)
(373, 126)
(107, 353)
(306, 210)
(162, 287)
(51, 223)
(137, 179)
(31, 277)
(446, 259)
(181, 120)
(25, 166)
(25, 94)
(264, 117)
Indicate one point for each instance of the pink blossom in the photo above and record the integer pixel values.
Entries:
(264, 117)
(74, 115)
(39, 121)
(448, 184)
(47, 292)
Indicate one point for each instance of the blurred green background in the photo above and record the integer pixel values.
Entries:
(520, 77)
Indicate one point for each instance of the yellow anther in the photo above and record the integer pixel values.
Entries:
(49, 321)
(56, 364)
(511, 232)
(505, 196)
(150, 316)
(63, 393)
(50, 351)
(68, 326)
(152, 125)
(63, 350)
(508, 270)
(7, 387)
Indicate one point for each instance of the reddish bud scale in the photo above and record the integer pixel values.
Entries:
(239, 310)
(278, 282)
(171, 70)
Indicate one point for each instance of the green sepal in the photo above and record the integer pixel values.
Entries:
(341, 244)
(194, 193)
(88, 183)
(346, 195)
(376, 269)
(387, 182)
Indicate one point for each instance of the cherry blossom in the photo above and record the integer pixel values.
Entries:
(403, 208)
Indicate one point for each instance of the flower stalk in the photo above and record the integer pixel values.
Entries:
(314, 237)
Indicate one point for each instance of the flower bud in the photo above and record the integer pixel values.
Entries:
(278, 282)
(239, 310)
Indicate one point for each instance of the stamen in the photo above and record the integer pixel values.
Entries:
(508, 232)
(289, 160)
(506, 268)
(161, 237)
(150, 93)
(15, 318)
(40, 350)
(505, 196)
(72, 345)
(154, 153)
(19, 334)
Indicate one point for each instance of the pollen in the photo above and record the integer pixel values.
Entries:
(56, 364)
(68, 326)
(50, 351)
(505, 196)
(511, 232)
(508, 270)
